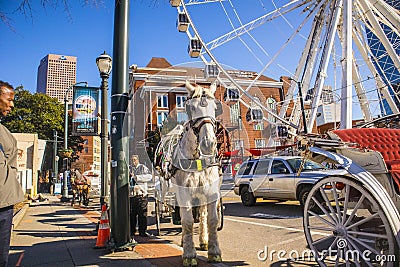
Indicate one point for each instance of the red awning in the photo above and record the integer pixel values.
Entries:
(231, 153)
(266, 150)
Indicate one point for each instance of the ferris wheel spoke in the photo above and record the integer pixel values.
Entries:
(293, 5)
(199, 2)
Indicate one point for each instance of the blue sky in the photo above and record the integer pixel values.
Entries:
(87, 31)
(85, 34)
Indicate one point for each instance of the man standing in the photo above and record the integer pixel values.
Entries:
(139, 176)
(10, 190)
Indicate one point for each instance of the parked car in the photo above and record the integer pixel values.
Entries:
(277, 178)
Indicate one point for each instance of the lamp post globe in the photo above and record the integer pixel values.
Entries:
(104, 63)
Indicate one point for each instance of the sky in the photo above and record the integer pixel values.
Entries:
(84, 32)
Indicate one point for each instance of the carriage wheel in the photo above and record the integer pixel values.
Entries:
(350, 229)
(220, 209)
(158, 216)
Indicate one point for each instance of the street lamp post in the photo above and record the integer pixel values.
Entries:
(104, 63)
(64, 197)
(55, 159)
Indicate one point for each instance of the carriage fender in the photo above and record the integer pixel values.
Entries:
(371, 184)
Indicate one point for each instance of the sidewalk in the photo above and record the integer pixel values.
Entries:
(52, 233)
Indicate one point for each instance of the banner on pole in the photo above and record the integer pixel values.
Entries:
(85, 111)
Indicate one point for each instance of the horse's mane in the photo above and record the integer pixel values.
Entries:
(198, 92)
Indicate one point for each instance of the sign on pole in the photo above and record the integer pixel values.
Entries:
(85, 111)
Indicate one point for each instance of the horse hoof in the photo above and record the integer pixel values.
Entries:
(214, 258)
(204, 247)
(189, 262)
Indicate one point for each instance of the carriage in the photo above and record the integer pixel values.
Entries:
(358, 221)
(80, 188)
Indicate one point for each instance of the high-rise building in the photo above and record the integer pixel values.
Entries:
(55, 74)
(329, 108)
(385, 66)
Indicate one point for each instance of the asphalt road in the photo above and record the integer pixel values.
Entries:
(268, 234)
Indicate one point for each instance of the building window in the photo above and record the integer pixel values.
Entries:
(85, 142)
(181, 117)
(259, 126)
(234, 115)
(161, 116)
(260, 142)
(86, 149)
(180, 101)
(271, 104)
(162, 100)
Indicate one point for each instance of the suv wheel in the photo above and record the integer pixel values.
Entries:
(303, 197)
(247, 197)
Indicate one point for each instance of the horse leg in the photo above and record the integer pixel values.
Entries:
(189, 251)
(214, 252)
(203, 236)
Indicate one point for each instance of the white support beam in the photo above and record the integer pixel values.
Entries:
(346, 112)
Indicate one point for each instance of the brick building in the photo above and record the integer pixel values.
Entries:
(159, 93)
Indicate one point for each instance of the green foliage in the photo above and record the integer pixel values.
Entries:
(41, 114)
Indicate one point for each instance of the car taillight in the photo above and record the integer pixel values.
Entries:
(328, 186)
(339, 185)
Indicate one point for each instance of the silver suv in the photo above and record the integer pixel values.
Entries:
(276, 178)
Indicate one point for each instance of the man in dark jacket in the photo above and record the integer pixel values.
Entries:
(10, 190)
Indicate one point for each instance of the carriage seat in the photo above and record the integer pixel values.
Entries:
(385, 141)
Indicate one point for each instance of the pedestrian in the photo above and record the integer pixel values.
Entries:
(10, 189)
(139, 176)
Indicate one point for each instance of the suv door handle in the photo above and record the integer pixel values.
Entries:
(270, 179)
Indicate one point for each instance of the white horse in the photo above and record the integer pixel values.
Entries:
(197, 174)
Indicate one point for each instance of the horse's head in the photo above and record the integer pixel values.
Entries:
(202, 109)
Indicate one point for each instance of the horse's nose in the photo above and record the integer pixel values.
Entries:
(207, 146)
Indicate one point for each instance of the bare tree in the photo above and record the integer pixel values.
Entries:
(25, 8)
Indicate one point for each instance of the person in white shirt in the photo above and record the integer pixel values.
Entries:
(139, 176)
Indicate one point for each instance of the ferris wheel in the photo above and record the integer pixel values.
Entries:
(348, 50)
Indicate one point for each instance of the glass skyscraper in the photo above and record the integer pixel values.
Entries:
(385, 66)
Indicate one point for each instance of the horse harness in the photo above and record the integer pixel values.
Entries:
(201, 110)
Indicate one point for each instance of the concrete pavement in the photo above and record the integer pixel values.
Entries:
(52, 233)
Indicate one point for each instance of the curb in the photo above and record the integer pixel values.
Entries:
(19, 215)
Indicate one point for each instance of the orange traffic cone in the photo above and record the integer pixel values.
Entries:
(103, 235)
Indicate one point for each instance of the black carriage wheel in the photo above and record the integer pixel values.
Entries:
(303, 197)
(351, 227)
(158, 213)
(220, 208)
(247, 197)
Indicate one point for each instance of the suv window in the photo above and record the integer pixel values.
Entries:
(262, 167)
(278, 167)
(246, 168)
(308, 165)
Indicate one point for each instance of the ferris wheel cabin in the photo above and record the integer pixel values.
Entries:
(231, 95)
(175, 3)
(194, 47)
(254, 115)
(211, 71)
(182, 22)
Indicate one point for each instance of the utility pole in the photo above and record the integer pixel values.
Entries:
(55, 158)
(119, 210)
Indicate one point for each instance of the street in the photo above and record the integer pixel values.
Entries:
(263, 235)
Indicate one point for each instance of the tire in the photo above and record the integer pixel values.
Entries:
(158, 217)
(247, 197)
(220, 208)
(303, 197)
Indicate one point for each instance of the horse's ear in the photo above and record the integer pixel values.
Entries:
(213, 87)
(190, 88)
